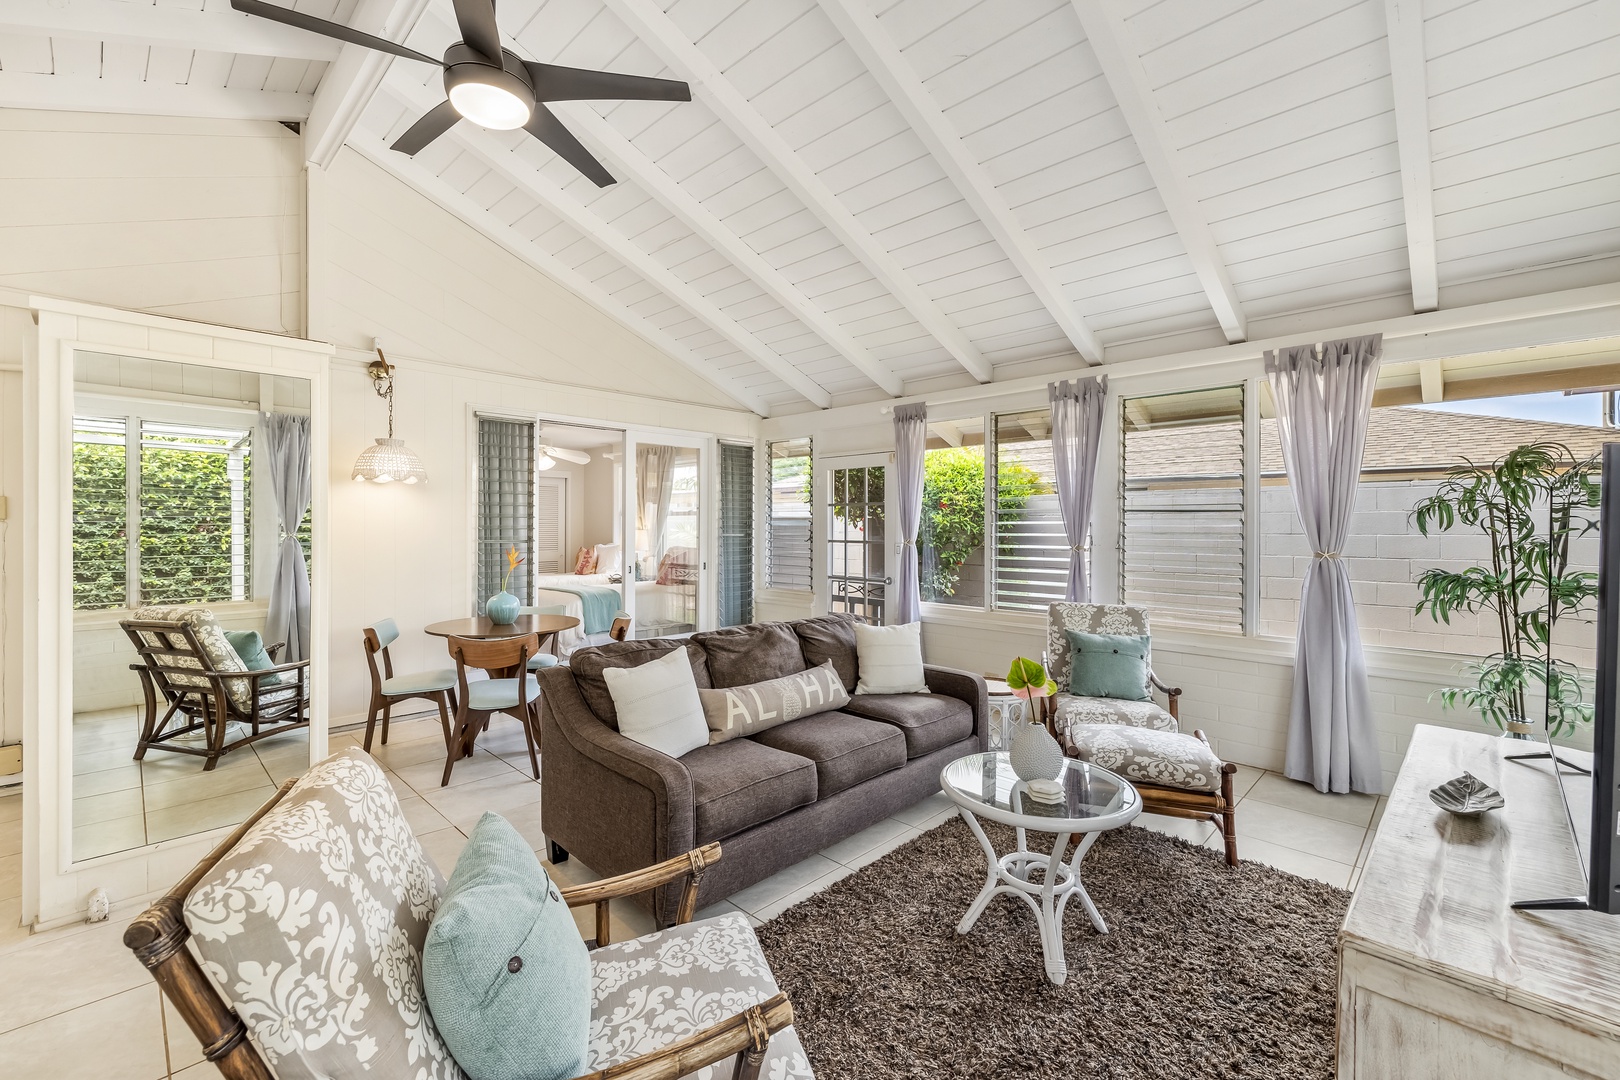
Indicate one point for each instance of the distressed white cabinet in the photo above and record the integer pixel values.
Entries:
(1439, 978)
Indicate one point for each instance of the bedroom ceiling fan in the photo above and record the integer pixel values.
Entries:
(550, 455)
(491, 86)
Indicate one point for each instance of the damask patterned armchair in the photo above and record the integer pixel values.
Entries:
(1176, 773)
(297, 946)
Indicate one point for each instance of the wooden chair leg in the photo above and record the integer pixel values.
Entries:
(443, 700)
(371, 722)
(467, 723)
(1229, 814)
(528, 721)
(388, 708)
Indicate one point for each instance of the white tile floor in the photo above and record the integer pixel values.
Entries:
(74, 1003)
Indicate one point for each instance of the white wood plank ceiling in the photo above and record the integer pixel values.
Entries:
(881, 197)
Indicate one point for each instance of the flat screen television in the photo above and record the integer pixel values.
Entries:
(1592, 799)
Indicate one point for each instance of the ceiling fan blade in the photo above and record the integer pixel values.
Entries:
(327, 29)
(545, 126)
(478, 29)
(435, 122)
(578, 457)
(554, 83)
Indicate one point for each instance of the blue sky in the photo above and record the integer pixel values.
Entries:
(1575, 409)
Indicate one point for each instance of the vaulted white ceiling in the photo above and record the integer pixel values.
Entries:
(870, 198)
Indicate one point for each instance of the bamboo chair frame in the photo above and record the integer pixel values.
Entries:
(207, 708)
(158, 939)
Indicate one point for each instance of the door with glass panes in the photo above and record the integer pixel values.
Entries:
(861, 548)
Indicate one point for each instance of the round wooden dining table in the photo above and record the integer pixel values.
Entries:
(546, 626)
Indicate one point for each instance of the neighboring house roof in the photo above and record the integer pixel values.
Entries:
(1399, 440)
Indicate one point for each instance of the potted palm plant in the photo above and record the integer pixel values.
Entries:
(1530, 503)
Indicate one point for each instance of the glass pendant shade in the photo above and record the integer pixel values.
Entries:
(389, 461)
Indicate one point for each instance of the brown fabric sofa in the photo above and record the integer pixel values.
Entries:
(771, 799)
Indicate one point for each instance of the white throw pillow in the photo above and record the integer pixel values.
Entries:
(609, 558)
(658, 704)
(889, 659)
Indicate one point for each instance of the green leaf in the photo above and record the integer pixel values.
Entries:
(1025, 673)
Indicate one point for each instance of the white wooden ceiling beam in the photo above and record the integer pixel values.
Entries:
(24, 90)
(349, 84)
(628, 161)
(1432, 379)
(648, 21)
(1408, 72)
(884, 60)
(171, 27)
(475, 216)
(1122, 70)
(565, 206)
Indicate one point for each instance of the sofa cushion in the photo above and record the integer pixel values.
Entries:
(830, 637)
(1072, 709)
(657, 704)
(740, 784)
(1108, 665)
(667, 986)
(929, 721)
(890, 659)
(1147, 755)
(588, 663)
(312, 927)
(739, 655)
(847, 750)
(737, 711)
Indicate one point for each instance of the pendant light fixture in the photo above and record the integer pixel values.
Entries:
(388, 460)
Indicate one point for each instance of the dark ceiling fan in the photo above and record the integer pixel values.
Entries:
(491, 86)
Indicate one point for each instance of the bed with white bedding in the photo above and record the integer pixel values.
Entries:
(655, 604)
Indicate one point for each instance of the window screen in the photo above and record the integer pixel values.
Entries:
(1032, 550)
(736, 534)
(788, 531)
(196, 514)
(100, 515)
(1181, 542)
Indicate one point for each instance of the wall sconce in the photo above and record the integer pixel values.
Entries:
(389, 460)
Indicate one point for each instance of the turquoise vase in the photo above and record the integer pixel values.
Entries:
(502, 608)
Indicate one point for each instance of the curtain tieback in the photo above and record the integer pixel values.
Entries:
(1077, 547)
(1327, 554)
(909, 543)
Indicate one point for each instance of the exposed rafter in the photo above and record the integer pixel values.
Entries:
(348, 85)
(1408, 73)
(1432, 380)
(883, 59)
(648, 21)
(565, 206)
(1122, 68)
(606, 140)
(222, 31)
(430, 186)
(23, 90)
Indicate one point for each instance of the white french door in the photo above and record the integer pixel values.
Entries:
(856, 510)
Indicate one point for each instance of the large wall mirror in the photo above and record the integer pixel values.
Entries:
(190, 549)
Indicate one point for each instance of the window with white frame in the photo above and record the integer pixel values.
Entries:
(788, 517)
(162, 513)
(1030, 564)
(1181, 541)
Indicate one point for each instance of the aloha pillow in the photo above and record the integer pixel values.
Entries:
(657, 704)
(1108, 665)
(214, 645)
(506, 973)
(312, 928)
(250, 647)
(737, 711)
(889, 659)
(585, 561)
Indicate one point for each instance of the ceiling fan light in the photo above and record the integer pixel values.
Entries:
(490, 106)
(546, 461)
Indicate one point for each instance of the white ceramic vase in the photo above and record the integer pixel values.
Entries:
(1035, 755)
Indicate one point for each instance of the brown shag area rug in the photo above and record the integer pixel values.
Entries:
(1207, 971)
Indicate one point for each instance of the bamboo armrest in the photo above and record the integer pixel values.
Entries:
(1173, 691)
(271, 650)
(690, 866)
(749, 1032)
(279, 669)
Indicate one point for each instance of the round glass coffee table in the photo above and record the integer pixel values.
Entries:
(984, 786)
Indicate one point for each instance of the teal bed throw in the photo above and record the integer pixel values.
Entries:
(599, 603)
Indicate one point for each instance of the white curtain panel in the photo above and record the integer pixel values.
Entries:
(655, 489)
(1323, 400)
(286, 441)
(1077, 416)
(910, 444)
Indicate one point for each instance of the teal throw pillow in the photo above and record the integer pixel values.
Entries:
(504, 968)
(250, 647)
(1108, 665)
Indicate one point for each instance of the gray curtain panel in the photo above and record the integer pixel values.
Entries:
(910, 444)
(1323, 400)
(286, 441)
(505, 507)
(655, 489)
(1077, 416)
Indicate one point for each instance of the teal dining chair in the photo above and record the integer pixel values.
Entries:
(438, 686)
(544, 659)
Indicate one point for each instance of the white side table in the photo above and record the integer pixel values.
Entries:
(1006, 709)
(1095, 800)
